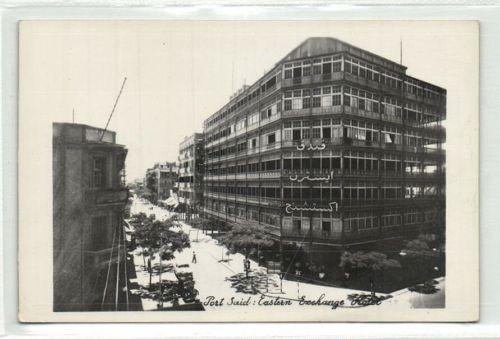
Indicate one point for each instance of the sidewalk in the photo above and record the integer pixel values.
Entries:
(224, 279)
(216, 279)
(140, 282)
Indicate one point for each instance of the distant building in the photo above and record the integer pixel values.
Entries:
(89, 197)
(191, 162)
(161, 179)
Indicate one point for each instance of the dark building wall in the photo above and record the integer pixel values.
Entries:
(86, 218)
(68, 230)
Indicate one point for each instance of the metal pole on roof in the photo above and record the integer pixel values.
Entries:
(114, 107)
(400, 51)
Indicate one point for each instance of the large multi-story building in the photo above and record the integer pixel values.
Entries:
(89, 197)
(332, 148)
(191, 161)
(161, 179)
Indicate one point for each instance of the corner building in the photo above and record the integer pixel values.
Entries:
(89, 200)
(333, 148)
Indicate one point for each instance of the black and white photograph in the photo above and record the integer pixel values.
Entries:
(249, 171)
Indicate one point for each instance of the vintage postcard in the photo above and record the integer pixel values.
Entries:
(248, 171)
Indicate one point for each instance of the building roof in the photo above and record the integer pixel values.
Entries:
(318, 46)
(82, 133)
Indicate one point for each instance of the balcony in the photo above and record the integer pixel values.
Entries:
(346, 141)
(439, 101)
(102, 197)
(252, 127)
(391, 118)
(305, 80)
(296, 113)
(425, 175)
(327, 110)
(273, 118)
(359, 112)
(270, 174)
(359, 173)
(253, 175)
(268, 147)
(392, 147)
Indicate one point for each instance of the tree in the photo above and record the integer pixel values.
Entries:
(157, 237)
(372, 261)
(420, 255)
(246, 237)
(199, 223)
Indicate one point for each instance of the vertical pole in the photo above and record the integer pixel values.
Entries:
(125, 265)
(258, 255)
(267, 279)
(298, 292)
(117, 273)
(160, 284)
(400, 51)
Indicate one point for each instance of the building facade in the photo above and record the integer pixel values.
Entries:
(191, 162)
(333, 147)
(89, 198)
(161, 179)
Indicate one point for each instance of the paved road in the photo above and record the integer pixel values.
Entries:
(216, 280)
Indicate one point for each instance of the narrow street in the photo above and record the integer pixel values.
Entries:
(220, 281)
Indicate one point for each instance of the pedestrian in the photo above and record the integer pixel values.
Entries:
(194, 258)
(246, 264)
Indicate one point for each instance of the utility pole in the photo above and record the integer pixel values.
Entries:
(160, 284)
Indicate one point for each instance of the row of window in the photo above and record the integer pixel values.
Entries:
(266, 86)
(368, 192)
(415, 87)
(367, 71)
(353, 223)
(329, 96)
(326, 66)
(322, 165)
(332, 96)
(359, 130)
(337, 63)
(390, 107)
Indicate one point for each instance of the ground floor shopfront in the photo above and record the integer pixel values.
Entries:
(310, 247)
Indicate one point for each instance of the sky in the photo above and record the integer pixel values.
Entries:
(180, 72)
